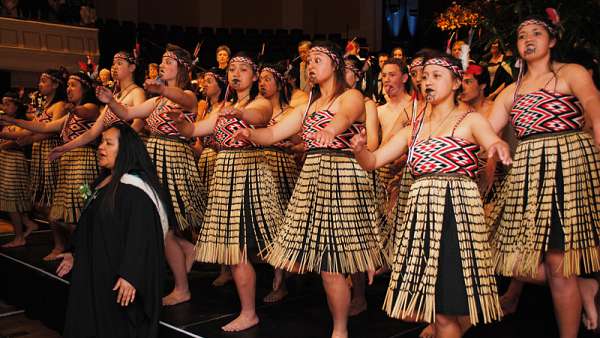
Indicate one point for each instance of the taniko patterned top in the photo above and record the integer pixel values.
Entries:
(445, 155)
(75, 126)
(542, 112)
(159, 123)
(320, 119)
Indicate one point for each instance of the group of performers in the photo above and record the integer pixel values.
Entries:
(322, 180)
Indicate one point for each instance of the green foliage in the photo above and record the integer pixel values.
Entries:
(580, 21)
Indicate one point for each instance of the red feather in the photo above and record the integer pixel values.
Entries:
(83, 66)
(553, 15)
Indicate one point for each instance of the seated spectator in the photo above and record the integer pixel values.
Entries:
(10, 8)
(152, 71)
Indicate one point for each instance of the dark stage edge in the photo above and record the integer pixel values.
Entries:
(30, 283)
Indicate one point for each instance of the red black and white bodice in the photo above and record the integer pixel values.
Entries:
(542, 112)
(111, 118)
(226, 128)
(444, 155)
(159, 123)
(43, 116)
(320, 119)
(75, 126)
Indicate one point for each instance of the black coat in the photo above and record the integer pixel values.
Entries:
(127, 243)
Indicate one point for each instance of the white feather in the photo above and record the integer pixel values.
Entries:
(464, 55)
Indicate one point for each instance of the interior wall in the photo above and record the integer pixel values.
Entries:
(263, 14)
(348, 17)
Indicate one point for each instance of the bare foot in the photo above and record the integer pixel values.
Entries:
(15, 243)
(357, 306)
(276, 295)
(224, 278)
(53, 255)
(241, 323)
(176, 297)
(428, 332)
(589, 290)
(509, 303)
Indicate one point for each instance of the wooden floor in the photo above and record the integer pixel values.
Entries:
(19, 326)
(303, 314)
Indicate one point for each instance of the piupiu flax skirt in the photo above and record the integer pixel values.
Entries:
(331, 223)
(380, 195)
(243, 208)
(206, 168)
(285, 172)
(385, 174)
(44, 174)
(178, 172)
(14, 182)
(379, 185)
(442, 260)
(76, 168)
(549, 200)
(396, 217)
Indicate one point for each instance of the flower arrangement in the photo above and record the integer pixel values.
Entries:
(457, 16)
(85, 191)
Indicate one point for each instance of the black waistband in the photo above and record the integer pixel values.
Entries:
(549, 134)
(278, 149)
(239, 149)
(329, 151)
(171, 138)
(444, 175)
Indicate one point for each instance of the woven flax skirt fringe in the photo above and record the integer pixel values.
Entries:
(549, 200)
(397, 214)
(206, 167)
(285, 173)
(243, 208)
(178, 172)
(76, 168)
(386, 175)
(443, 261)
(44, 174)
(331, 223)
(14, 182)
(381, 200)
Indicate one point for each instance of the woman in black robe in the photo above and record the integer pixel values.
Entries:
(118, 252)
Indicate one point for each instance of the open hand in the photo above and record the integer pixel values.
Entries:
(230, 112)
(241, 134)
(501, 149)
(55, 153)
(176, 115)
(359, 141)
(154, 86)
(104, 94)
(324, 137)
(125, 292)
(69, 107)
(65, 265)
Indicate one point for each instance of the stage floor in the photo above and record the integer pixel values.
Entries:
(303, 314)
